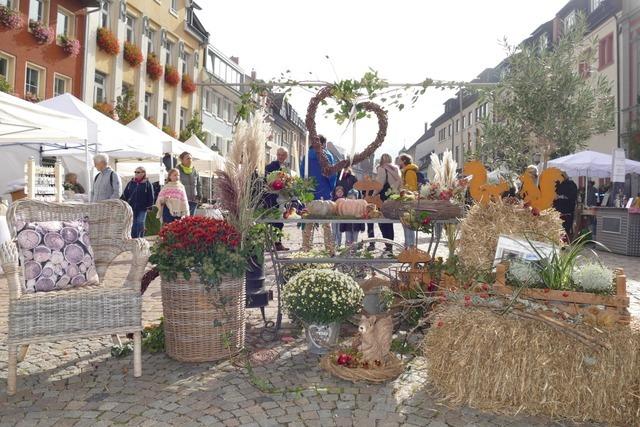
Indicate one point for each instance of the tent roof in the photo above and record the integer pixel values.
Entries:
(24, 122)
(217, 161)
(591, 163)
(111, 137)
(169, 143)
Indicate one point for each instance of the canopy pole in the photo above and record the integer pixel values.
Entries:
(87, 166)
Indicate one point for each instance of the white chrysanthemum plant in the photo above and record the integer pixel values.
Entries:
(593, 277)
(322, 296)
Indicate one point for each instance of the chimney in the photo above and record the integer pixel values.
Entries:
(254, 75)
(426, 127)
(235, 59)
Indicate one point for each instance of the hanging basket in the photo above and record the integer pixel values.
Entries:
(202, 325)
(438, 209)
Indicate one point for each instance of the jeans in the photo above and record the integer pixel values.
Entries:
(370, 231)
(387, 232)
(351, 237)
(137, 229)
(167, 218)
(409, 237)
(192, 208)
(337, 235)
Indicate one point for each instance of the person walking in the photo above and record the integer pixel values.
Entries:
(139, 194)
(106, 184)
(172, 201)
(324, 191)
(565, 203)
(409, 182)
(388, 175)
(190, 178)
(271, 199)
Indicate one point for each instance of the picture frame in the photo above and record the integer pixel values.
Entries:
(517, 247)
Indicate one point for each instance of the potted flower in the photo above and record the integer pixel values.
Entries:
(11, 19)
(107, 41)
(132, 54)
(188, 85)
(169, 131)
(105, 108)
(171, 75)
(203, 298)
(70, 45)
(154, 68)
(321, 299)
(42, 33)
(31, 97)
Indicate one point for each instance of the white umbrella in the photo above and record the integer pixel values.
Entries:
(591, 164)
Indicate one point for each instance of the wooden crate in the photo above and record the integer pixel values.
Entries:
(572, 302)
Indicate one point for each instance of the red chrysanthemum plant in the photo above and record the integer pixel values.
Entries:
(171, 75)
(132, 54)
(107, 41)
(154, 68)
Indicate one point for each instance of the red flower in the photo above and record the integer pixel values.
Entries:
(154, 68)
(484, 296)
(171, 75)
(565, 294)
(467, 297)
(344, 359)
(132, 54)
(277, 185)
(188, 86)
(108, 42)
(440, 324)
(485, 287)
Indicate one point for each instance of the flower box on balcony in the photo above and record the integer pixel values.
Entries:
(108, 42)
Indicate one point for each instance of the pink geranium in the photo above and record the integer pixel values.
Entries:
(70, 46)
(42, 33)
(10, 18)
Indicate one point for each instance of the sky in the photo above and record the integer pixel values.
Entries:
(405, 41)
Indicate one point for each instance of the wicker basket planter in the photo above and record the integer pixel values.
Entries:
(200, 324)
(439, 209)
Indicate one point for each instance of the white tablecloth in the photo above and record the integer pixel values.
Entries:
(209, 213)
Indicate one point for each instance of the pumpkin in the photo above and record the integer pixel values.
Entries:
(352, 207)
(319, 208)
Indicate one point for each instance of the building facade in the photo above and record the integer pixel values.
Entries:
(629, 41)
(165, 30)
(37, 71)
(220, 98)
(287, 129)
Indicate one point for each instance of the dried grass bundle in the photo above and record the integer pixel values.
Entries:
(240, 186)
(444, 172)
(509, 364)
(480, 229)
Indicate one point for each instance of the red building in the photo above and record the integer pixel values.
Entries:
(42, 46)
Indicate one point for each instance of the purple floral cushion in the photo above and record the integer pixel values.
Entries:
(55, 255)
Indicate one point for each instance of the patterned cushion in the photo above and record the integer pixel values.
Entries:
(55, 255)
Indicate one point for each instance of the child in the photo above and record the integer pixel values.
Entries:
(338, 193)
(172, 200)
(351, 230)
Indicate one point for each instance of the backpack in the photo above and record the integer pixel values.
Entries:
(95, 179)
(421, 178)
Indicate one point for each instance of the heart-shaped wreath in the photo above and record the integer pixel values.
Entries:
(310, 122)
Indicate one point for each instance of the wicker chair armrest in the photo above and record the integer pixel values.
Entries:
(9, 261)
(140, 255)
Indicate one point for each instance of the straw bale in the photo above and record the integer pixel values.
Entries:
(509, 364)
(480, 229)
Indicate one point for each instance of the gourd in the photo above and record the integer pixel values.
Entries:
(321, 208)
(352, 207)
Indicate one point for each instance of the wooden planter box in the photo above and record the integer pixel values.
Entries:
(572, 302)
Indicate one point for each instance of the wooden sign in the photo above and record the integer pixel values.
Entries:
(368, 186)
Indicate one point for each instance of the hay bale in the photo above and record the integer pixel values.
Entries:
(508, 364)
(480, 229)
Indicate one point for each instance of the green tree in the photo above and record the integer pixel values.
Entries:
(4, 85)
(193, 127)
(545, 103)
(126, 107)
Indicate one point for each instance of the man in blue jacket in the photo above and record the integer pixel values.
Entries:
(324, 190)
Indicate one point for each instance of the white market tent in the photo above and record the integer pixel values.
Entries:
(27, 128)
(105, 135)
(591, 164)
(215, 164)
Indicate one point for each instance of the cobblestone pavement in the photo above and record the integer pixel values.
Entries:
(79, 383)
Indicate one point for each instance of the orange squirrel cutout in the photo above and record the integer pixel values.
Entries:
(367, 186)
(541, 197)
(482, 192)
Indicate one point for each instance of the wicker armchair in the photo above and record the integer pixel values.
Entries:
(104, 309)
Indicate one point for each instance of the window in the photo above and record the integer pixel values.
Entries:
(168, 50)
(6, 67)
(228, 112)
(449, 130)
(174, 5)
(544, 40)
(595, 4)
(464, 119)
(147, 104)
(34, 81)
(6, 3)
(130, 23)
(457, 125)
(36, 10)
(104, 14)
(183, 118)
(605, 51)
(470, 119)
(185, 62)
(457, 154)
(100, 87)
(218, 109)
(64, 23)
(219, 142)
(151, 35)
(166, 113)
(61, 84)
(208, 100)
(569, 21)
(442, 134)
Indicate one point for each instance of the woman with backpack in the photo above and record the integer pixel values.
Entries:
(139, 194)
(388, 175)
